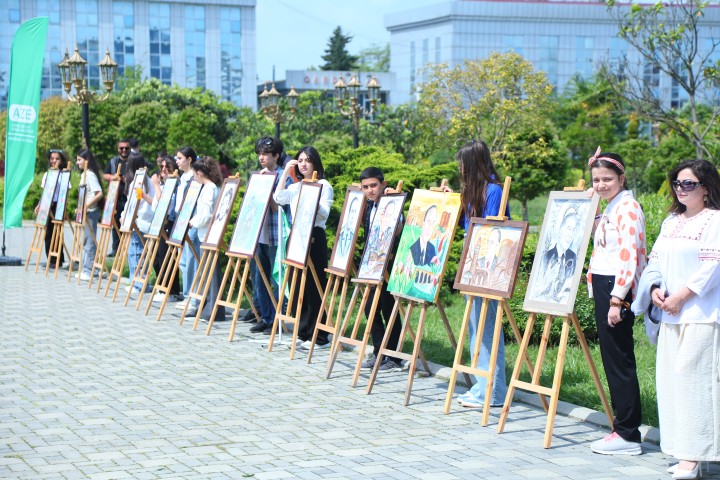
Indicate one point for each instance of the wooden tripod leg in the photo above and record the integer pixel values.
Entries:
(451, 335)
(516, 372)
(337, 345)
(298, 310)
(276, 321)
(326, 307)
(366, 333)
(386, 337)
(497, 333)
(593, 369)
(557, 381)
(337, 322)
(458, 355)
(416, 350)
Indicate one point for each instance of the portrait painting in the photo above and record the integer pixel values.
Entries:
(252, 214)
(560, 254)
(110, 202)
(51, 180)
(302, 225)
(384, 223)
(131, 207)
(350, 219)
(491, 256)
(163, 206)
(80, 210)
(177, 236)
(424, 245)
(221, 215)
(63, 187)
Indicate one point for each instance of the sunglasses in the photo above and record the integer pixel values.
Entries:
(123, 148)
(55, 150)
(685, 185)
(264, 141)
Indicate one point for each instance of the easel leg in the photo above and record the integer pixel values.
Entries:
(593, 369)
(516, 371)
(386, 337)
(368, 329)
(416, 350)
(557, 382)
(458, 356)
(340, 332)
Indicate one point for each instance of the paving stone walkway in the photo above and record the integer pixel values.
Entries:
(90, 389)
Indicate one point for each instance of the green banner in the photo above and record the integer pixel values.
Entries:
(26, 62)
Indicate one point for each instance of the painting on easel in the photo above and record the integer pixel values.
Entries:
(132, 202)
(110, 202)
(424, 245)
(63, 186)
(183, 219)
(491, 257)
(222, 212)
(348, 227)
(80, 210)
(163, 206)
(252, 214)
(307, 205)
(560, 254)
(379, 241)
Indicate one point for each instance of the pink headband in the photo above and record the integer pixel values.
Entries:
(596, 157)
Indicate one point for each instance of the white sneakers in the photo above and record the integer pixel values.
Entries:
(614, 444)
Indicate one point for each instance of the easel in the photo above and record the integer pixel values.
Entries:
(167, 273)
(36, 246)
(38, 241)
(57, 244)
(119, 263)
(201, 282)
(76, 253)
(145, 264)
(534, 385)
(503, 307)
(100, 260)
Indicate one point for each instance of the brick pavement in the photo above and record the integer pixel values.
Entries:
(92, 389)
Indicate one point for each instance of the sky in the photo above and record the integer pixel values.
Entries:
(293, 34)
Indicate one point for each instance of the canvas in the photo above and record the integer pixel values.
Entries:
(163, 205)
(252, 214)
(424, 245)
(560, 254)
(47, 196)
(110, 202)
(63, 187)
(177, 236)
(133, 202)
(350, 219)
(491, 256)
(221, 215)
(379, 241)
(80, 210)
(301, 231)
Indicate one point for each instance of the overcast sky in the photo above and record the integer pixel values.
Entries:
(293, 34)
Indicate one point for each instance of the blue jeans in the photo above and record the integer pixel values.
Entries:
(188, 263)
(135, 250)
(89, 242)
(499, 389)
(261, 298)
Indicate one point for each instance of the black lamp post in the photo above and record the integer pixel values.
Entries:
(350, 93)
(270, 106)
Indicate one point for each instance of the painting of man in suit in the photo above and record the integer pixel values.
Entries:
(423, 251)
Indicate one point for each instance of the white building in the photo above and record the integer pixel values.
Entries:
(208, 44)
(561, 38)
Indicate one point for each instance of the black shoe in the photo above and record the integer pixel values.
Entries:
(247, 316)
(261, 328)
(111, 253)
(176, 298)
(192, 312)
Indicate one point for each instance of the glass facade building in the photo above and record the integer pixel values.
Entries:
(561, 38)
(208, 44)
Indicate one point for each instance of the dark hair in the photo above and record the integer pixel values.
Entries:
(269, 145)
(372, 172)
(92, 165)
(210, 168)
(314, 158)
(189, 152)
(170, 161)
(427, 212)
(123, 140)
(709, 178)
(63, 157)
(161, 153)
(135, 163)
(599, 163)
(476, 171)
(134, 143)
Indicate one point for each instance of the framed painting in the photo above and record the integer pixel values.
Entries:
(491, 256)
(133, 202)
(163, 205)
(80, 210)
(110, 202)
(183, 219)
(63, 187)
(221, 215)
(424, 245)
(347, 232)
(47, 197)
(252, 214)
(560, 254)
(379, 240)
(301, 231)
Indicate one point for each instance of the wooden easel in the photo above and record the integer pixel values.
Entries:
(119, 263)
(145, 265)
(100, 260)
(167, 273)
(36, 246)
(238, 288)
(503, 307)
(534, 385)
(76, 253)
(330, 296)
(57, 245)
(201, 282)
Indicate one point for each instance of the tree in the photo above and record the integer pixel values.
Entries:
(482, 99)
(336, 55)
(668, 39)
(375, 58)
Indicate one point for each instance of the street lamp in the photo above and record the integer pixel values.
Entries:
(270, 106)
(350, 93)
(72, 72)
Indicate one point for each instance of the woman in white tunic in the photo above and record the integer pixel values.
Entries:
(687, 256)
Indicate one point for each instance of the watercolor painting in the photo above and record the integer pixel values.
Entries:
(80, 210)
(183, 219)
(131, 207)
(301, 231)
(222, 212)
(63, 187)
(384, 223)
(163, 205)
(252, 214)
(110, 202)
(47, 196)
(346, 238)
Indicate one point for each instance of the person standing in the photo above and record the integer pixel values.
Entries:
(115, 170)
(166, 167)
(186, 158)
(143, 218)
(687, 256)
(93, 195)
(58, 161)
(617, 261)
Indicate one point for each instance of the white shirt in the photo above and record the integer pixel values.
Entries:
(183, 184)
(291, 194)
(204, 209)
(93, 187)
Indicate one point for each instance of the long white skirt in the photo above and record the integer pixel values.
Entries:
(688, 391)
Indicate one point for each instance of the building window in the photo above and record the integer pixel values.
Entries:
(51, 84)
(194, 46)
(412, 65)
(651, 78)
(86, 34)
(230, 54)
(513, 42)
(584, 56)
(160, 62)
(549, 57)
(124, 27)
(678, 95)
(438, 57)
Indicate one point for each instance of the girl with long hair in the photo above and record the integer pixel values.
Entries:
(93, 197)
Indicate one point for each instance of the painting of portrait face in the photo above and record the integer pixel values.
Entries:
(380, 238)
(110, 202)
(299, 242)
(177, 236)
(347, 231)
(222, 212)
(161, 211)
(63, 186)
(252, 214)
(51, 180)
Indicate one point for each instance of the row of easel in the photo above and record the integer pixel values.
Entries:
(340, 312)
